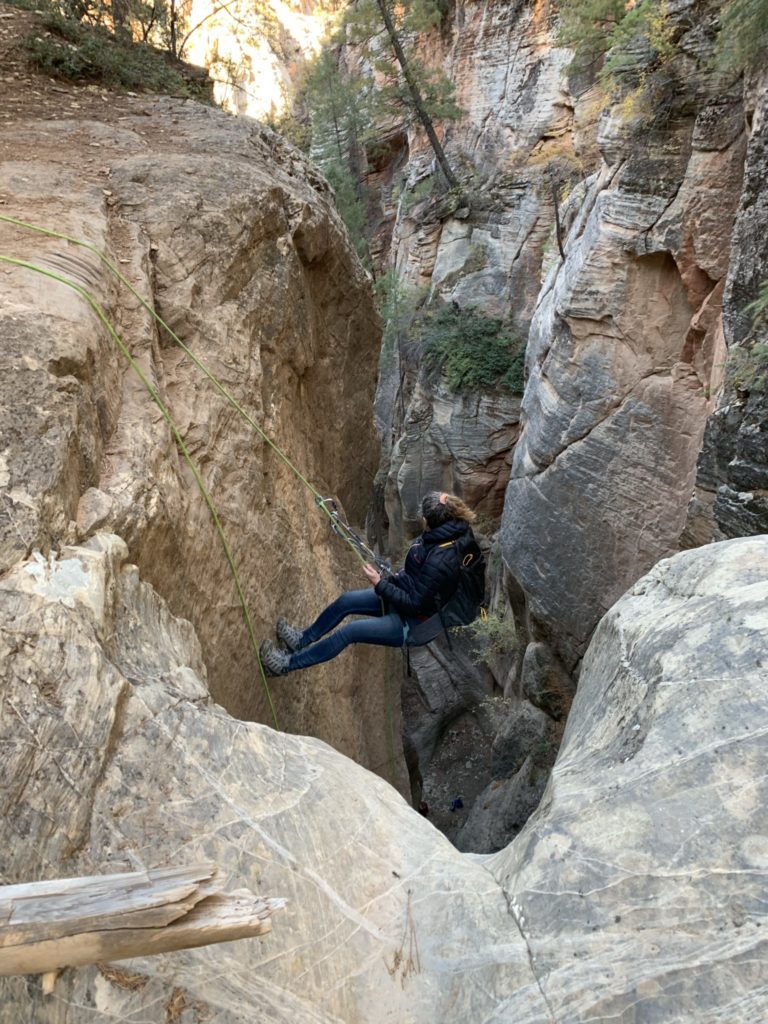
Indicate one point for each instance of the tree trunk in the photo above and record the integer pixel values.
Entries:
(75, 921)
(418, 100)
(558, 229)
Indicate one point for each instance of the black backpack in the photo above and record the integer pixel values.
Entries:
(464, 605)
(465, 602)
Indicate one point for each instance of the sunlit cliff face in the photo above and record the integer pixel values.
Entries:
(255, 50)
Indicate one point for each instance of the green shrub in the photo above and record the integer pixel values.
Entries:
(748, 367)
(743, 38)
(84, 53)
(595, 28)
(473, 352)
(493, 634)
(759, 307)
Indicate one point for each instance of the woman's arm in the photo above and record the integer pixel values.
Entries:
(435, 582)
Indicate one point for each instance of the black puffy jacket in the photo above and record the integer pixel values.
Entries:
(430, 575)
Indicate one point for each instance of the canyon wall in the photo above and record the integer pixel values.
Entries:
(645, 865)
(255, 52)
(233, 236)
(642, 425)
(485, 255)
(625, 353)
(731, 497)
(628, 332)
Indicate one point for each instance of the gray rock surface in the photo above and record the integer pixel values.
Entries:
(487, 255)
(116, 757)
(644, 867)
(448, 442)
(732, 482)
(499, 813)
(639, 883)
(544, 681)
(466, 741)
(625, 351)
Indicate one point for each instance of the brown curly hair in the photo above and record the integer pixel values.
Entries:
(438, 507)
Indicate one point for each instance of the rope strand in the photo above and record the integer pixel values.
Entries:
(344, 533)
(85, 294)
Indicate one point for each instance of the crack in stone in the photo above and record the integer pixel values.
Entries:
(613, 408)
(513, 914)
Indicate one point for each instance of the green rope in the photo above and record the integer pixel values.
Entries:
(179, 441)
(200, 365)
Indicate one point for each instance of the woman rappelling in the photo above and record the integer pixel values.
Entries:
(405, 608)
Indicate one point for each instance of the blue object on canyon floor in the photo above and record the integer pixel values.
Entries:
(457, 804)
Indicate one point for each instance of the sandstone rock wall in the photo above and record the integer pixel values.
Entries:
(255, 53)
(627, 336)
(487, 254)
(234, 237)
(624, 355)
(732, 482)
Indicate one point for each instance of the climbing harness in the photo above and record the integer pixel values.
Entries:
(328, 506)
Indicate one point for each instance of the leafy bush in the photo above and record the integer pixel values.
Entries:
(743, 39)
(748, 367)
(595, 28)
(493, 634)
(472, 351)
(83, 53)
(759, 308)
(625, 45)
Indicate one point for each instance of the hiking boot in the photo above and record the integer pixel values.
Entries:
(274, 661)
(288, 635)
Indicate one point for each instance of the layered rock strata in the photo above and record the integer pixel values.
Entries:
(486, 254)
(732, 482)
(625, 351)
(234, 238)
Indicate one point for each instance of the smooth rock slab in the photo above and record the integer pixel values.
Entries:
(640, 882)
(115, 757)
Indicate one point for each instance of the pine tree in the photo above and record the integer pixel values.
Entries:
(338, 108)
(424, 95)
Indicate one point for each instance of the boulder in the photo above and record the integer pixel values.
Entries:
(115, 757)
(639, 882)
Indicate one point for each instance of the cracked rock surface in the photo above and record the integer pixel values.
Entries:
(639, 883)
(234, 238)
(635, 893)
(116, 756)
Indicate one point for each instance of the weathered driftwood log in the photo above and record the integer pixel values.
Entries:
(45, 926)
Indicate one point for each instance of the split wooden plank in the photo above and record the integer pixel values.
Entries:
(45, 926)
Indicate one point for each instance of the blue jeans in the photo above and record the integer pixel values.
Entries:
(386, 629)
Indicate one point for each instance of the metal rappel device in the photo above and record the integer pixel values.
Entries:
(342, 528)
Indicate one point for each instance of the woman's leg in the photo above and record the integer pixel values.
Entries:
(353, 602)
(386, 630)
